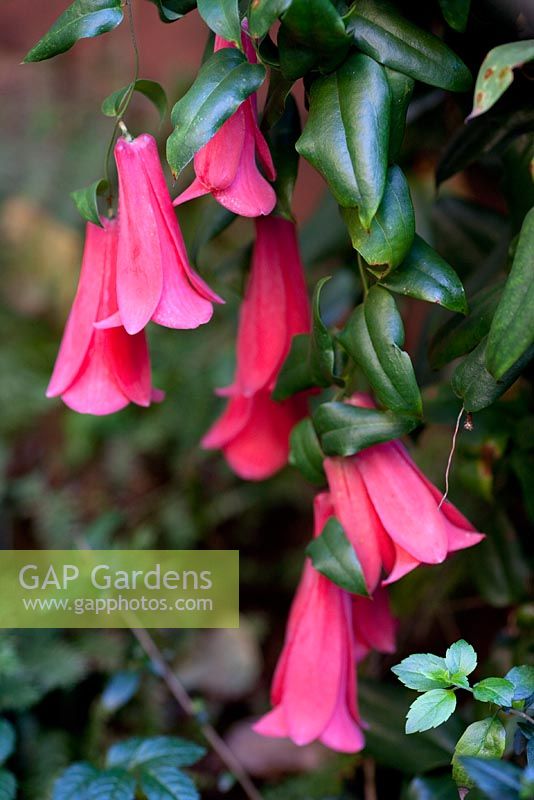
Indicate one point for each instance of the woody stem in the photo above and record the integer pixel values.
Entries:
(363, 276)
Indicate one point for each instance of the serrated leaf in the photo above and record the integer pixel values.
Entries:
(497, 73)
(344, 430)
(87, 200)
(282, 137)
(401, 89)
(152, 90)
(166, 783)
(499, 780)
(387, 241)
(456, 13)
(140, 752)
(334, 557)
(83, 19)
(430, 710)
(224, 81)
(461, 334)
(373, 337)
(494, 690)
(222, 17)
(512, 329)
(305, 452)
(121, 687)
(484, 739)
(423, 671)
(346, 136)
(8, 785)
(461, 658)
(112, 785)
(522, 678)
(172, 10)
(74, 783)
(382, 33)
(7, 740)
(425, 275)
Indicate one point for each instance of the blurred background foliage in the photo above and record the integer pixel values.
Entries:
(139, 479)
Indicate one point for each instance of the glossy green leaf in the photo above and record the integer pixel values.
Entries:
(143, 753)
(87, 200)
(494, 690)
(295, 59)
(497, 73)
(442, 788)
(277, 96)
(295, 375)
(264, 13)
(456, 13)
(423, 671)
(282, 138)
(346, 136)
(345, 430)
(321, 343)
(222, 17)
(112, 785)
(461, 658)
(305, 452)
(224, 81)
(373, 337)
(522, 679)
(316, 28)
(499, 780)
(167, 783)
(152, 90)
(83, 19)
(430, 710)
(8, 785)
(484, 739)
(333, 556)
(7, 740)
(472, 382)
(74, 783)
(387, 242)
(172, 10)
(401, 89)
(461, 334)
(382, 33)
(512, 328)
(425, 275)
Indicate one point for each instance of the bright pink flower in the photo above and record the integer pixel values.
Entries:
(390, 512)
(226, 166)
(154, 279)
(254, 430)
(100, 371)
(374, 626)
(314, 687)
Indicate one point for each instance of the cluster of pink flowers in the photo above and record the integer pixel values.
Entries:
(135, 269)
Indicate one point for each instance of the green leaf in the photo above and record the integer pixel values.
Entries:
(423, 671)
(512, 329)
(485, 739)
(154, 91)
(295, 59)
(346, 136)
(172, 10)
(321, 343)
(8, 785)
(387, 242)
(461, 334)
(82, 20)
(264, 13)
(373, 337)
(473, 383)
(345, 430)
(456, 13)
(120, 689)
(494, 690)
(461, 658)
(401, 89)
(442, 788)
(282, 138)
(383, 34)
(430, 710)
(166, 783)
(305, 452)
(425, 275)
(496, 73)
(295, 375)
(222, 17)
(215, 219)
(87, 200)
(112, 785)
(161, 750)
(314, 27)
(224, 81)
(334, 557)
(497, 779)
(74, 783)
(522, 679)
(7, 740)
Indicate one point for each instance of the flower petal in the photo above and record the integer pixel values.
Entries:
(95, 390)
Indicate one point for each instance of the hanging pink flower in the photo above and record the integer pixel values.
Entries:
(314, 687)
(374, 626)
(226, 166)
(100, 371)
(390, 511)
(254, 430)
(154, 279)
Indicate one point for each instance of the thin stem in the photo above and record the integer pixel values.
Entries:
(451, 455)
(363, 276)
(516, 713)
